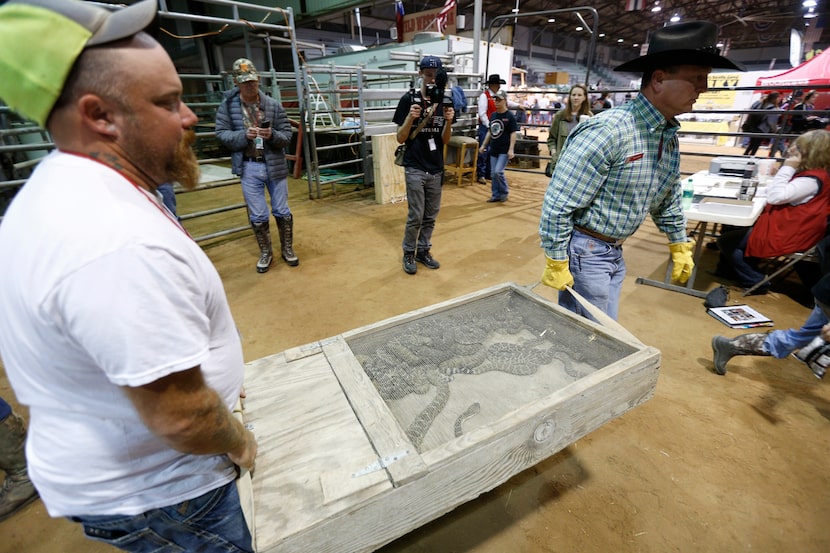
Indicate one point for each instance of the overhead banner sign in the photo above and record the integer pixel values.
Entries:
(426, 22)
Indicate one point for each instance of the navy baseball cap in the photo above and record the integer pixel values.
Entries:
(431, 62)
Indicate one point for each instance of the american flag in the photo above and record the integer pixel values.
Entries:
(399, 13)
(441, 20)
(635, 5)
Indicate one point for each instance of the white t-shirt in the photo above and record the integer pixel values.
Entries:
(100, 289)
(483, 118)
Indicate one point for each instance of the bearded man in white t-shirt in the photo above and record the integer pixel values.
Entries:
(131, 431)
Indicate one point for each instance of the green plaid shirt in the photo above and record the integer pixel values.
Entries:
(614, 170)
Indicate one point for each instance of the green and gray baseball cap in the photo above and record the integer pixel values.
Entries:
(41, 39)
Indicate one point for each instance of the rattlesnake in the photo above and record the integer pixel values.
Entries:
(433, 350)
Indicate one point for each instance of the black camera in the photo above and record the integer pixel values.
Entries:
(435, 92)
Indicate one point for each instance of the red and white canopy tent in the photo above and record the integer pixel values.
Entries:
(815, 71)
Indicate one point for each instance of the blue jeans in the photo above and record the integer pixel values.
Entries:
(5, 409)
(499, 183)
(598, 269)
(210, 523)
(254, 181)
(781, 343)
(744, 267)
(778, 146)
(423, 194)
(482, 167)
(168, 197)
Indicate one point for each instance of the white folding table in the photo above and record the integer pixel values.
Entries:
(715, 202)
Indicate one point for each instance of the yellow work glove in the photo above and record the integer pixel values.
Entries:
(557, 275)
(681, 256)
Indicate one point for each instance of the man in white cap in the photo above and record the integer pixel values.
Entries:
(623, 165)
(131, 431)
(256, 129)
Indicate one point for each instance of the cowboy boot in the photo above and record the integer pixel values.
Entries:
(745, 344)
(17, 490)
(263, 238)
(286, 228)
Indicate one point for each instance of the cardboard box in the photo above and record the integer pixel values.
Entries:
(557, 77)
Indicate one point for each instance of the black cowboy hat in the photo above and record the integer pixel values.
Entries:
(690, 43)
(495, 79)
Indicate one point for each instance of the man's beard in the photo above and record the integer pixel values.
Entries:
(184, 167)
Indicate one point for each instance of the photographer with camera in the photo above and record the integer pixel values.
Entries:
(424, 117)
(244, 125)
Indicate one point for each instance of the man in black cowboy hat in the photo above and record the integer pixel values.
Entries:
(486, 108)
(622, 165)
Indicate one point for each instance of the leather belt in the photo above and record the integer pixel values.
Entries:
(259, 159)
(607, 239)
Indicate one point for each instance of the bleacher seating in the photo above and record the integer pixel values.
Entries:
(537, 67)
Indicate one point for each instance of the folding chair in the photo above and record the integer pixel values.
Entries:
(786, 263)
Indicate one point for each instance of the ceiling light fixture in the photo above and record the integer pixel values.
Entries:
(619, 40)
(579, 28)
(809, 3)
(602, 35)
(675, 18)
(656, 9)
(552, 20)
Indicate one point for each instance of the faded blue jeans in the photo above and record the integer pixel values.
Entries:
(423, 194)
(168, 197)
(254, 181)
(482, 164)
(598, 269)
(5, 409)
(498, 185)
(210, 523)
(781, 343)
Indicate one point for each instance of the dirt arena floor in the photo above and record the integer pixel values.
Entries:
(712, 463)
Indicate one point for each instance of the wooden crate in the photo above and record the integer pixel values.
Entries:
(389, 179)
(346, 465)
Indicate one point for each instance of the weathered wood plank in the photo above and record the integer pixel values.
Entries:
(244, 485)
(304, 427)
(383, 429)
(390, 184)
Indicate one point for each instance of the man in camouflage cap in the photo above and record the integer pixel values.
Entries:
(255, 128)
(244, 71)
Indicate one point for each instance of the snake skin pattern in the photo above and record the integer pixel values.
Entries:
(436, 348)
